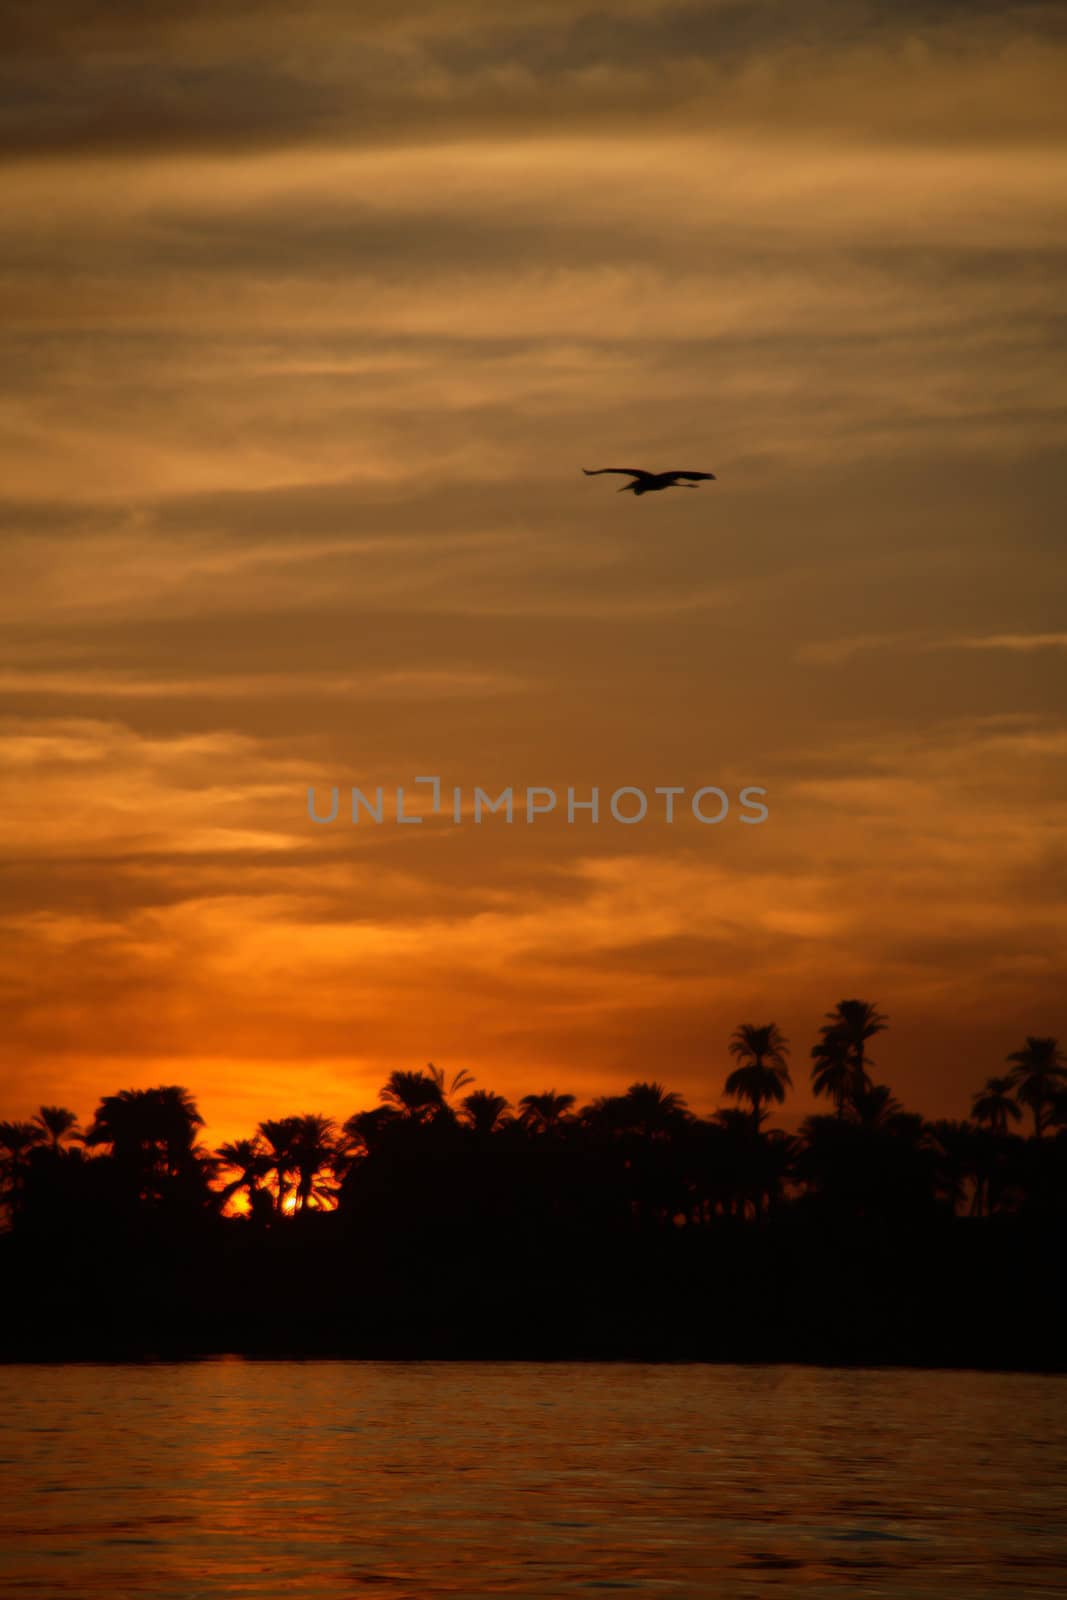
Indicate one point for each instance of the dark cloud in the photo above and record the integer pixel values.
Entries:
(124, 80)
(301, 380)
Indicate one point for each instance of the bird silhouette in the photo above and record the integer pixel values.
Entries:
(648, 482)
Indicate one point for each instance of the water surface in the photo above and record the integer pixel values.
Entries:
(326, 1479)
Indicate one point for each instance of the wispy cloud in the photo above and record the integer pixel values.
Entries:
(832, 652)
(312, 316)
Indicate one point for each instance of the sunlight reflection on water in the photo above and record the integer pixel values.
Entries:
(328, 1479)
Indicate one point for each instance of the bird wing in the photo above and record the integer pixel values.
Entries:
(687, 474)
(631, 472)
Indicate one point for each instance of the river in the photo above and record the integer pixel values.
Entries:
(321, 1480)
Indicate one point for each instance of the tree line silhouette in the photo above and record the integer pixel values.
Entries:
(443, 1190)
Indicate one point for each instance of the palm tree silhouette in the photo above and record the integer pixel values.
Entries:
(315, 1152)
(840, 1059)
(368, 1131)
(281, 1135)
(973, 1155)
(152, 1134)
(546, 1112)
(485, 1111)
(877, 1106)
(831, 1072)
(448, 1087)
(993, 1106)
(763, 1052)
(251, 1162)
(1038, 1075)
(654, 1161)
(416, 1095)
(651, 1110)
(17, 1139)
(58, 1123)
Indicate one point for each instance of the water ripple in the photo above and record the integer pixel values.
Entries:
(249, 1481)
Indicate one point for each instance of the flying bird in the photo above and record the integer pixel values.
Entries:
(647, 482)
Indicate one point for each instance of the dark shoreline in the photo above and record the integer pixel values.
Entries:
(955, 1294)
(371, 1358)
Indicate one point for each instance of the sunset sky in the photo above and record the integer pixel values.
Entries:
(311, 317)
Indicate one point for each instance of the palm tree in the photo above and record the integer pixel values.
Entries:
(58, 1123)
(840, 1059)
(994, 1106)
(152, 1134)
(367, 1131)
(763, 1073)
(416, 1095)
(651, 1110)
(877, 1106)
(831, 1072)
(1038, 1073)
(251, 1162)
(485, 1111)
(545, 1112)
(178, 1120)
(459, 1080)
(157, 1124)
(17, 1139)
(281, 1134)
(968, 1155)
(315, 1150)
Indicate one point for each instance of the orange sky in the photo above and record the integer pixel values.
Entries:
(310, 323)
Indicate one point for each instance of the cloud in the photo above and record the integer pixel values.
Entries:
(311, 320)
(386, 686)
(1024, 642)
(85, 82)
(833, 652)
(224, 904)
